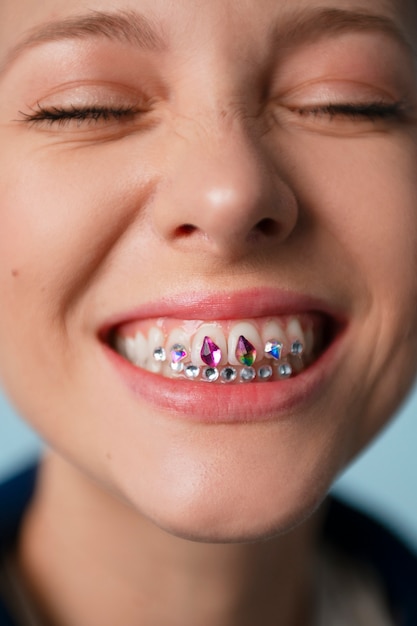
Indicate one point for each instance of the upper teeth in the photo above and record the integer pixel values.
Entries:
(169, 345)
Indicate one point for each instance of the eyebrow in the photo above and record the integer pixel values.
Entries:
(136, 29)
(124, 26)
(324, 22)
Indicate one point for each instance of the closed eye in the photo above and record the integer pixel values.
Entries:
(355, 111)
(81, 115)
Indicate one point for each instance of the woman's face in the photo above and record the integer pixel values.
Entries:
(169, 170)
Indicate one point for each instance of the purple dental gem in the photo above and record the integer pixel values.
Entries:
(210, 353)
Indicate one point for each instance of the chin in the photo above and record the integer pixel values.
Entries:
(219, 528)
(232, 513)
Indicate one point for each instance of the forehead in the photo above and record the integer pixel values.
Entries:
(196, 23)
(17, 16)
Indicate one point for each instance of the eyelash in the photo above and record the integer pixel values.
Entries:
(62, 117)
(372, 111)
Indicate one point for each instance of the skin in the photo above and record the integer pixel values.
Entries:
(91, 214)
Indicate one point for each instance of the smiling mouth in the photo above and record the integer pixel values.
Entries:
(224, 352)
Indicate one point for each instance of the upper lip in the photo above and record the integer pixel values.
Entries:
(243, 304)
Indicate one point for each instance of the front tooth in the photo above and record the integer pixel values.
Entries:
(249, 332)
(216, 335)
(273, 331)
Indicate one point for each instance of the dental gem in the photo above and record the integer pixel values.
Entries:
(178, 353)
(228, 374)
(211, 374)
(245, 351)
(297, 348)
(247, 374)
(177, 367)
(192, 372)
(265, 372)
(285, 370)
(159, 355)
(273, 349)
(210, 353)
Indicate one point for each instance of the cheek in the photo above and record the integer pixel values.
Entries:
(364, 199)
(62, 213)
(65, 214)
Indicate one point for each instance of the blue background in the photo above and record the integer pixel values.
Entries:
(381, 481)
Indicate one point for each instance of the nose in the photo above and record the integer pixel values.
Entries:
(224, 196)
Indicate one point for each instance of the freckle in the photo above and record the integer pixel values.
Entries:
(15, 273)
(109, 456)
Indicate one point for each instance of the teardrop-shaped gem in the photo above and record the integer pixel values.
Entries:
(245, 352)
(273, 349)
(178, 353)
(210, 353)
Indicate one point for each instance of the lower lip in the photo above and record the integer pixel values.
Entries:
(218, 403)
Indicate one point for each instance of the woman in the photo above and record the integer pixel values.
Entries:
(207, 270)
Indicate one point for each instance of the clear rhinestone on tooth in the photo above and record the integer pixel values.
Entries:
(178, 353)
(265, 372)
(177, 367)
(159, 355)
(273, 348)
(297, 348)
(228, 374)
(192, 372)
(211, 374)
(285, 370)
(247, 374)
(245, 352)
(210, 353)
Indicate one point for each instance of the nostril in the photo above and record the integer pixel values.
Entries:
(185, 230)
(267, 227)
